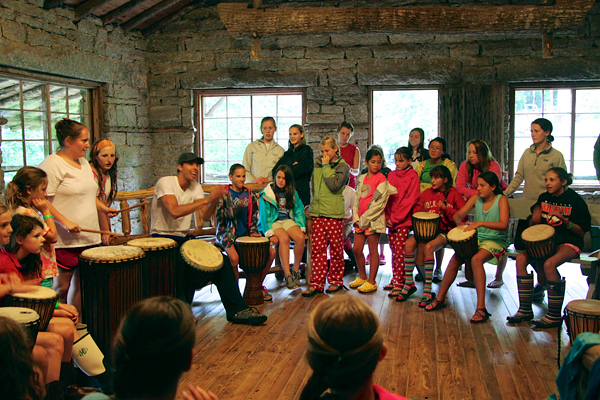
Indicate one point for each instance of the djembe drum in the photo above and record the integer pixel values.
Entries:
(41, 299)
(111, 283)
(425, 226)
(253, 253)
(582, 316)
(539, 241)
(27, 318)
(464, 243)
(201, 260)
(158, 271)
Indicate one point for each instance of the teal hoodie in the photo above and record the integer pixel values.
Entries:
(269, 211)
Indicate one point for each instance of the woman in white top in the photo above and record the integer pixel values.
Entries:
(72, 192)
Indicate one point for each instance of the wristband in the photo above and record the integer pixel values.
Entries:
(570, 225)
(48, 216)
(56, 305)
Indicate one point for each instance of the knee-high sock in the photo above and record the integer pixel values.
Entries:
(409, 260)
(429, 264)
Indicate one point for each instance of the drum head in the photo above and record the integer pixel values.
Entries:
(152, 243)
(458, 234)
(38, 292)
(202, 255)
(426, 215)
(538, 232)
(20, 314)
(252, 239)
(112, 254)
(587, 307)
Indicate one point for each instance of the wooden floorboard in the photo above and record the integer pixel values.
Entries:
(433, 355)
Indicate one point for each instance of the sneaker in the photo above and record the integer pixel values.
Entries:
(266, 295)
(296, 277)
(368, 259)
(437, 276)
(249, 316)
(290, 283)
(382, 259)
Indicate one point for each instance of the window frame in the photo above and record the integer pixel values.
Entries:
(573, 86)
(94, 108)
(198, 110)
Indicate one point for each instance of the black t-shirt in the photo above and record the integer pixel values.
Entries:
(573, 207)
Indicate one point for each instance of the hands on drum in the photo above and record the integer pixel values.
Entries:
(66, 311)
(472, 226)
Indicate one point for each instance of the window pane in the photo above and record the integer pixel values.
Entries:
(528, 101)
(521, 144)
(587, 125)
(561, 124)
(289, 106)
(523, 125)
(215, 128)
(54, 118)
(58, 98)
(79, 101)
(214, 150)
(585, 170)
(33, 95)
(35, 152)
(263, 106)
(396, 112)
(236, 150)
(8, 176)
(83, 118)
(557, 101)
(239, 128)
(588, 100)
(283, 130)
(13, 129)
(12, 155)
(238, 106)
(35, 125)
(584, 149)
(563, 144)
(10, 94)
(216, 171)
(215, 107)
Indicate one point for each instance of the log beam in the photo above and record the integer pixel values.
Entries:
(119, 11)
(149, 14)
(172, 17)
(88, 7)
(240, 20)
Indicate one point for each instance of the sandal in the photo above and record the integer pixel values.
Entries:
(426, 300)
(367, 287)
(467, 284)
(395, 292)
(435, 305)
(337, 289)
(389, 286)
(404, 296)
(358, 282)
(478, 313)
(495, 284)
(310, 292)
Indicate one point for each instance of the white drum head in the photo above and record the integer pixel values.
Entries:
(152, 243)
(202, 255)
(20, 314)
(587, 307)
(38, 292)
(458, 234)
(108, 254)
(538, 232)
(252, 239)
(426, 215)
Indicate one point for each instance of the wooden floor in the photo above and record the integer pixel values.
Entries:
(434, 355)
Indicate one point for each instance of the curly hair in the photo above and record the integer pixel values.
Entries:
(25, 178)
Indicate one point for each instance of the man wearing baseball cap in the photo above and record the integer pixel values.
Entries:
(175, 200)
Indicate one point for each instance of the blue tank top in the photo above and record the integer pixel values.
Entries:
(492, 215)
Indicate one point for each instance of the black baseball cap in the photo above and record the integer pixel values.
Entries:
(189, 157)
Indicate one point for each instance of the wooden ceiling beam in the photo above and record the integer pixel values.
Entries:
(240, 20)
(147, 15)
(172, 17)
(88, 7)
(119, 11)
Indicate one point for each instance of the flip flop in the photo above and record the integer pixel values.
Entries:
(389, 286)
(495, 284)
(403, 297)
(311, 292)
(394, 292)
(467, 284)
(337, 289)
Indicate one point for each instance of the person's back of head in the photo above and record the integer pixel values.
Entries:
(153, 347)
(18, 379)
(345, 343)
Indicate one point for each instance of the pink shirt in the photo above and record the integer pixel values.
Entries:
(367, 189)
(468, 189)
(347, 154)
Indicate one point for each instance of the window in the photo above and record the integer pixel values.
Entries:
(231, 121)
(396, 111)
(32, 108)
(575, 116)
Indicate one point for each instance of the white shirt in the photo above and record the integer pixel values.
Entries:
(74, 192)
(162, 223)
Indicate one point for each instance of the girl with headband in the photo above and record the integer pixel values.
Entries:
(103, 158)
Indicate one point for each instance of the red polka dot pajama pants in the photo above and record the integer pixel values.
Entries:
(327, 232)
(397, 238)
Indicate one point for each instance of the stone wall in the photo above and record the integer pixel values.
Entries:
(48, 42)
(336, 70)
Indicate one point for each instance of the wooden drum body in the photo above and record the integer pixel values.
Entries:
(42, 300)
(425, 226)
(200, 259)
(27, 318)
(253, 253)
(464, 243)
(158, 270)
(111, 283)
(539, 241)
(582, 316)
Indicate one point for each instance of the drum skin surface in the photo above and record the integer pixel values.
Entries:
(464, 243)
(539, 241)
(159, 268)
(28, 319)
(42, 300)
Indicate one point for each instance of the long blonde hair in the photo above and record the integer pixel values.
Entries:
(345, 341)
